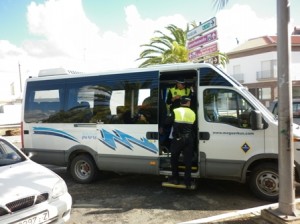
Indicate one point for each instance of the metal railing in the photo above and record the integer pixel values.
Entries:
(266, 75)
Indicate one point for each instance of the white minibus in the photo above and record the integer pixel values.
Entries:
(92, 122)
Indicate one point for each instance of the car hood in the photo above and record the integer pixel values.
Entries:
(25, 179)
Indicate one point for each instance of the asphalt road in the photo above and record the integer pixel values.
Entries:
(131, 198)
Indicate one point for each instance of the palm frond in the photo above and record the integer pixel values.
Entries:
(169, 48)
(219, 4)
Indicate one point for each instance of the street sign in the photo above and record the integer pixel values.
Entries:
(207, 38)
(213, 60)
(208, 25)
(203, 51)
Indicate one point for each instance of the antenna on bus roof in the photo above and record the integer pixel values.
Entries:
(57, 71)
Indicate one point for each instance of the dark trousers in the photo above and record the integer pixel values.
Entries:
(186, 147)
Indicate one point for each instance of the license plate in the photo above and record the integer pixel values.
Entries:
(36, 219)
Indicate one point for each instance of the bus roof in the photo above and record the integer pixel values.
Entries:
(61, 73)
(57, 71)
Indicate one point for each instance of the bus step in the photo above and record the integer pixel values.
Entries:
(194, 168)
(180, 185)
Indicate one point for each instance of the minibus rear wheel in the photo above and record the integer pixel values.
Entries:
(83, 169)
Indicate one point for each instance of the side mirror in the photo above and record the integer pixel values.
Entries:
(256, 120)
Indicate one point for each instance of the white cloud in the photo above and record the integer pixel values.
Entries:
(67, 38)
(63, 24)
(241, 22)
(139, 31)
(70, 33)
(8, 50)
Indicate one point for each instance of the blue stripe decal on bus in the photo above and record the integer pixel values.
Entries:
(110, 140)
(53, 132)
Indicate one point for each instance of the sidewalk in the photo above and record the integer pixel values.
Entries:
(16, 140)
(258, 215)
(13, 139)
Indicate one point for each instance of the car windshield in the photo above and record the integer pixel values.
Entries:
(9, 154)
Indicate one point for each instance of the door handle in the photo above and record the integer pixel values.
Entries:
(152, 135)
(204, 135)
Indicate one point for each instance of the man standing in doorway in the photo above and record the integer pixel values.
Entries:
(183, 119)
(176, 92)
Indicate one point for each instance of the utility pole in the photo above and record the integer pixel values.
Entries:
(287, 205)
(286, 210)
(20, 78)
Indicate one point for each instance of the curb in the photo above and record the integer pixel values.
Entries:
(256, 211)
(13, 139)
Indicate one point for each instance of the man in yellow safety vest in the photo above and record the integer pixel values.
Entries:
(183, 119)
(176, 92)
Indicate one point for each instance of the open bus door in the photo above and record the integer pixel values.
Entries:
(168, 80)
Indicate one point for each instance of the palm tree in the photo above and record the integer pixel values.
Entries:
(165, 49)
(219, 4)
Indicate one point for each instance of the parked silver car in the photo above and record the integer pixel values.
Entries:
(296, 109)
(29, 192)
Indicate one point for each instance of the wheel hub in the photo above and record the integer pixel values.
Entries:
(84, 169)
(269, 183)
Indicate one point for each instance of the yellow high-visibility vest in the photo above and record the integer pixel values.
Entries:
(184, 115)
(181, 92)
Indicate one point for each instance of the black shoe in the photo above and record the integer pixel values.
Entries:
(174, 181)
(165, 150)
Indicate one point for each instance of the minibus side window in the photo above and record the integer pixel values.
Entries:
(107, 99)
(79, 104)
(43, 102)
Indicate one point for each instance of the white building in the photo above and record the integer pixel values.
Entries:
(254, 64)
(10, 114)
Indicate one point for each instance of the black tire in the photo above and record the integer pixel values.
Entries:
(264, 182)
(83, 169)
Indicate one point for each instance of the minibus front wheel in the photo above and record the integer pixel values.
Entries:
(83, 169)
(264, 181)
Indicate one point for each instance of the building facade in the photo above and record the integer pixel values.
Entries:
(254, 64)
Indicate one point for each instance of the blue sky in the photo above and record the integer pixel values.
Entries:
(93, 35)
(109, 15)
